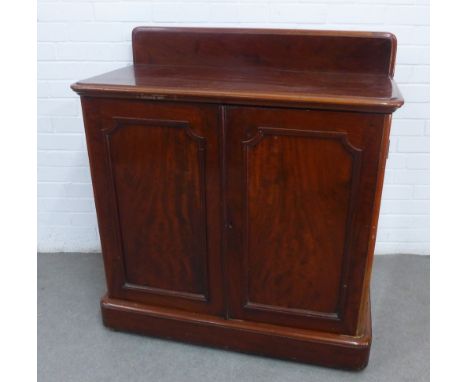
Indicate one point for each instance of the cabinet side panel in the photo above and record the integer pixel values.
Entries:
(107, 223)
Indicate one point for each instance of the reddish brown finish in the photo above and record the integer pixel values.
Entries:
(247, 85)
(298, 202)
(292, 50)
(313, 69)
(236, 220)
(175, 156)
(153, 166)
(350, 352)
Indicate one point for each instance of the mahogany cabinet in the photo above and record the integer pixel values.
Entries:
(237, 176)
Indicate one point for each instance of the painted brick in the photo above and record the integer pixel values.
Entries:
(64, 158)
(410, 34)
(385, 248)
(417, 161)
(404, 235)
(427, 127)
(62, 239)
(404, 207)
(63, 174)
(415, 93)
(48, 107)
(57, 89)
(407, 15)
(52, 32)
(297, 13)
(42, 89)
(79, 51)
(65, 205)
(397, 192)
(356, 14)
(120, 11)
(67, 124)
(412, 177)
(44, 125)
(413, 55)
(413, 144)
(407, 127)
(421, 192)
(84, 219)
(396, 161)
(255, 12)
(96, 32)
(418, 110)
(53, 219)
(64, 190)
(404, 221)
(403, 73)
(64, 12)
(46, 51)
(420, 74)
(73, 71)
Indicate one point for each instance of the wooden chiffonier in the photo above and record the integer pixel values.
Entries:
(237, 177)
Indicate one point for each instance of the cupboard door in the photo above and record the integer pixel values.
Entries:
(154, 166)
(300, 189)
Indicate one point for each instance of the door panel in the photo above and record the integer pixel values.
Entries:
(161, 194)
(154, 166)
(292, 207)
(299, 192)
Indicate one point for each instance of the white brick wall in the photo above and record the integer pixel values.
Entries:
(82, 38)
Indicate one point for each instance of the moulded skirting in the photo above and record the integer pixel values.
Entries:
(327, 349)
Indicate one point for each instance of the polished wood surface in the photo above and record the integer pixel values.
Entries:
(237, 177)
(293, 50)
(319, 347)
(174, 155)
(299, 204)
(153, 167)
(257, 86)
(320, 69)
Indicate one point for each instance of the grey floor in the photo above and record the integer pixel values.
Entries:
(74, 346)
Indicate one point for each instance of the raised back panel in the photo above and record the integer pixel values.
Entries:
(354, 52)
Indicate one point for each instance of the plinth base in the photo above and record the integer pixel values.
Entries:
(321, 348)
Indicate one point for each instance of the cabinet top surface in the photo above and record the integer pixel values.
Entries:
(317, 69)
(247, 85)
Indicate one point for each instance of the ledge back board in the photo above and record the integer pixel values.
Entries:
(299, 50)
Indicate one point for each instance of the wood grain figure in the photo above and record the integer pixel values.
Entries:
(237, 177)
